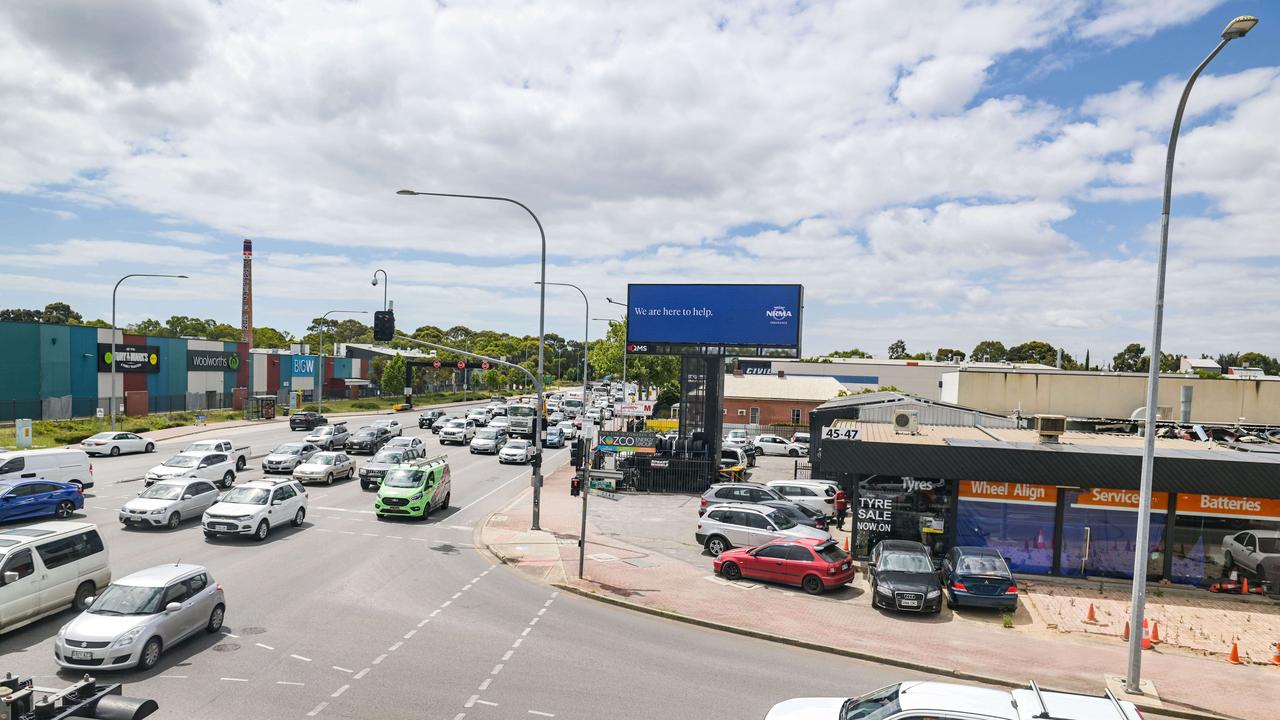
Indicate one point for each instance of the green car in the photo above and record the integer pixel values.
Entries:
(414, 490)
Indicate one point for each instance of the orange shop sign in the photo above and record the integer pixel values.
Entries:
(1007, 492)
(1227, 506)
(1108, 499)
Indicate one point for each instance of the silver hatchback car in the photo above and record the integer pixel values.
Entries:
(137, 617)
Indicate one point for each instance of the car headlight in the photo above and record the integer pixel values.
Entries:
(128, 637)
(416, 497)
(933, 594)
(157, 512)
(241, 518)
(62, 631)
(883, 590)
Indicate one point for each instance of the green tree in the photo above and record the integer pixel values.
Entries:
(148, 327)
(897, 350)
(989, 351)
(1130, 359)
(1258, 360)
(392, 379)
(21, 315)
(949, 355)
(1038, 351)
(853, 353)
(60, 313)
(267, 337)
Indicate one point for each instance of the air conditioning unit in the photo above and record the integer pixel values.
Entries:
(1049, 427)
(906, 422)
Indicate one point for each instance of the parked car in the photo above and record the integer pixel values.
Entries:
(325, 467)
(20, 499)
(817, 496)
(254, 508)
(554, 439)
(458, 431)
(367, 440)
(168, 502)
(517, 451)
(488, 441)
(288, 456)
(744, 525)
(917, 699)
(737, 492)
(815, 565)
(978, 576)
(799, 513)
(239, 453)
(329, 437)
(388, 457)
(57, 465)
(414, 490)
(141, 615)
(775, 445)
(215, 467)
(1249, 549)
(306, 420)
(114, 443)
(393, 426)
(740, 439)
(427, 417)
(46, 568)
(903, 577)
(801, 438)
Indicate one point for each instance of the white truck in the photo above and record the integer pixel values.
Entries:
(216, 467)
(239, 454)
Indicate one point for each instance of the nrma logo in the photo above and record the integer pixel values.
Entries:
(778, 315)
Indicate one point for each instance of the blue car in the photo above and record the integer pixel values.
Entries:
(978, 577)
(39, 498)
(555, 438)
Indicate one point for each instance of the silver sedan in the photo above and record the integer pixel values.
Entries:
(326, 467)
(168, 502)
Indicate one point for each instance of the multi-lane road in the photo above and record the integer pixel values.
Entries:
(352, 617)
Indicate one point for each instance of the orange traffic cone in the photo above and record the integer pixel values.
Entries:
(846, 543)
(1234, 657)
(1275, 654)
(1146, 634)
(1092, 617)
(1155, 633)
(1244, 585)
(1126, 631)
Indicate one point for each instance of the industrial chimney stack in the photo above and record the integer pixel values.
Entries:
(246, 297)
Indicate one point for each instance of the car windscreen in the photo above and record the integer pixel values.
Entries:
(905, 562)
(403, 479)
(325, 431)
(287, 450)
(882, 703)
(182, 461)
(365, 434)
(127, 600)
(456, 424)
(983, 565)
(247, 496)
(781, 521)
(390, 458)
(322, 459)
(486, 434)
(162, 492)
(518, 444)
(1270, 546)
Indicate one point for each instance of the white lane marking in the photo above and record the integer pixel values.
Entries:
(235, 679)
(361, 674)
(508, 655)
(464, 508)
(346, 532)
(395, 647)
(496, 669)
(228, 634)
(316, 710)
(393, 537)
(459, 716)
(264, 647)
(542, 611)
(466, 587)
(341, 669)
(458, 527)
(516, 644)
(526, 631)
(339, 691)
(471, 701)
(370, 534)
(475, 579)
(486, 702)
(456, 596)
(435, 613)
(410, 634)
(299, 657)
(424, 622)
(173, 677)
(286, 682)
(533, 621)
(378, 660)
(485, 685)
(323, 530)
(539, 713)
(555, 594)
(446, 603)
(547, 603)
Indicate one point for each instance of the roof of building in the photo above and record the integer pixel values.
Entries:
(880, 407)
(937, 363)
(815, 388)
(1202, 363)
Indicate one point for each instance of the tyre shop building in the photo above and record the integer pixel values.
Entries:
(1059, 505)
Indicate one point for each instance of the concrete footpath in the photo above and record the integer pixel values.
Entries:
(970, 645)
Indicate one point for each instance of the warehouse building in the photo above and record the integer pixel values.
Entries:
(778, 399)
(921, 378)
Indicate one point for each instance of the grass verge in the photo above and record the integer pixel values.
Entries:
(58, 433)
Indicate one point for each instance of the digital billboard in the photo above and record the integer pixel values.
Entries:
(669, 317)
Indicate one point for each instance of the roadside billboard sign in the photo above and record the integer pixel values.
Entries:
(714, 319)
(213, 360)
(129, 358)
(634, 409)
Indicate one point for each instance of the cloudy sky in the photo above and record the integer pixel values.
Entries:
(941, 172)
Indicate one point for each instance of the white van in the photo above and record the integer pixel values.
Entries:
(47, 568)
(58, 465)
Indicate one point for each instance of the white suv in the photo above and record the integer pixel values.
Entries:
(458, 431)
(254, 508)
(920, 699)
(733, 525)
(819, 497)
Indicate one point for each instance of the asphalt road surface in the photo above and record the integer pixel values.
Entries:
(352, 617)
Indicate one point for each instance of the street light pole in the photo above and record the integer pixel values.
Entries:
(385, 284)
(542, 339)
(611, 321)
(113, 335)
(320, 389)
(1237, 28)
(625, 396)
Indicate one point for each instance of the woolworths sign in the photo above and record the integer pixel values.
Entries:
(213, 361)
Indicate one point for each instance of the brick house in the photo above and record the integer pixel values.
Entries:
(775, 399)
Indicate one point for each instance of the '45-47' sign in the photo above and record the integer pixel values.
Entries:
(129, 358)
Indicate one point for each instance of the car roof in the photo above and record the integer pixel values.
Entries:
(951, 697)
(737, 484)
(741, 506)
(266, 484)
(1263, 533)
(160, 575)
(905, 545)
(977, 550)
(45, 529)
(182, 481)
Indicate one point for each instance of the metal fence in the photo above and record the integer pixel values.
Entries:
(67, 407)
(650, 473)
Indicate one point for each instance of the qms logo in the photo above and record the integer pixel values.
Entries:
(637, 348)
(778, 315)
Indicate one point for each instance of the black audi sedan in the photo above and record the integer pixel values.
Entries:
(978, 577)
(903, 577)
(367, 440)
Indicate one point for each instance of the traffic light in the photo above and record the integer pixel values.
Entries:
(575, 454)
(384, 325)
(83, 699)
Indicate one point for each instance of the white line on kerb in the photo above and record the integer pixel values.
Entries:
(339, 691)
(316, 710)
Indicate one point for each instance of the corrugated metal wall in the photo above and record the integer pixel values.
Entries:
(20, 371)
(84, 372)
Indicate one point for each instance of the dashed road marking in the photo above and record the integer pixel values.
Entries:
(542, 611)
(316, 710)
(339, 691)
(264, 647)
(516, 644)
(341, 669)
(393, 537)
(533, 621)
(235, 679)
(395, 647)
(456, 596)
(435, 613)
(486, 702)
(424, 622)
(361, 674)
(299, 657)
(526, 631)
(496, 669)
(378, 660)
(539, 713)
(471, 701)
(446, 603)
(410, 634)
(286, 682)
(508, 655)
(485, 685)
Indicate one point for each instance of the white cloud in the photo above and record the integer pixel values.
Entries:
(60, 214)
(1119, 22)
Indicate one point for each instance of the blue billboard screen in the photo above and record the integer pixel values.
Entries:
(726, 315)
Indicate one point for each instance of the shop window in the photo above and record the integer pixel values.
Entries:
(1099, 527)
(901, 508)
(755, 416)
(1022, 533)
(795, 416)
(742, 412)
(1210, 530)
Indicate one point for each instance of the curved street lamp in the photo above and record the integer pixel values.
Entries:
(385, 284)
(113, 335)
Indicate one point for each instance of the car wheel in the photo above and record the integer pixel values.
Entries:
(263, 529)
(793, 453)
(215, 619)
(240, 463)
(174, 520)
(299, 516)
(328, 479)
(150, 654)
(65, 509)
(151, 447)
(365, 486)
(83, 593)
(210, 535)
(717, 545)
(115, 450)
(951, 602)
(731, 571)
(227, 480)
(875, 603)
(812, 584)
(446, 500)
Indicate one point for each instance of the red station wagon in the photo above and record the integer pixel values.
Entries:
(815, 565)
